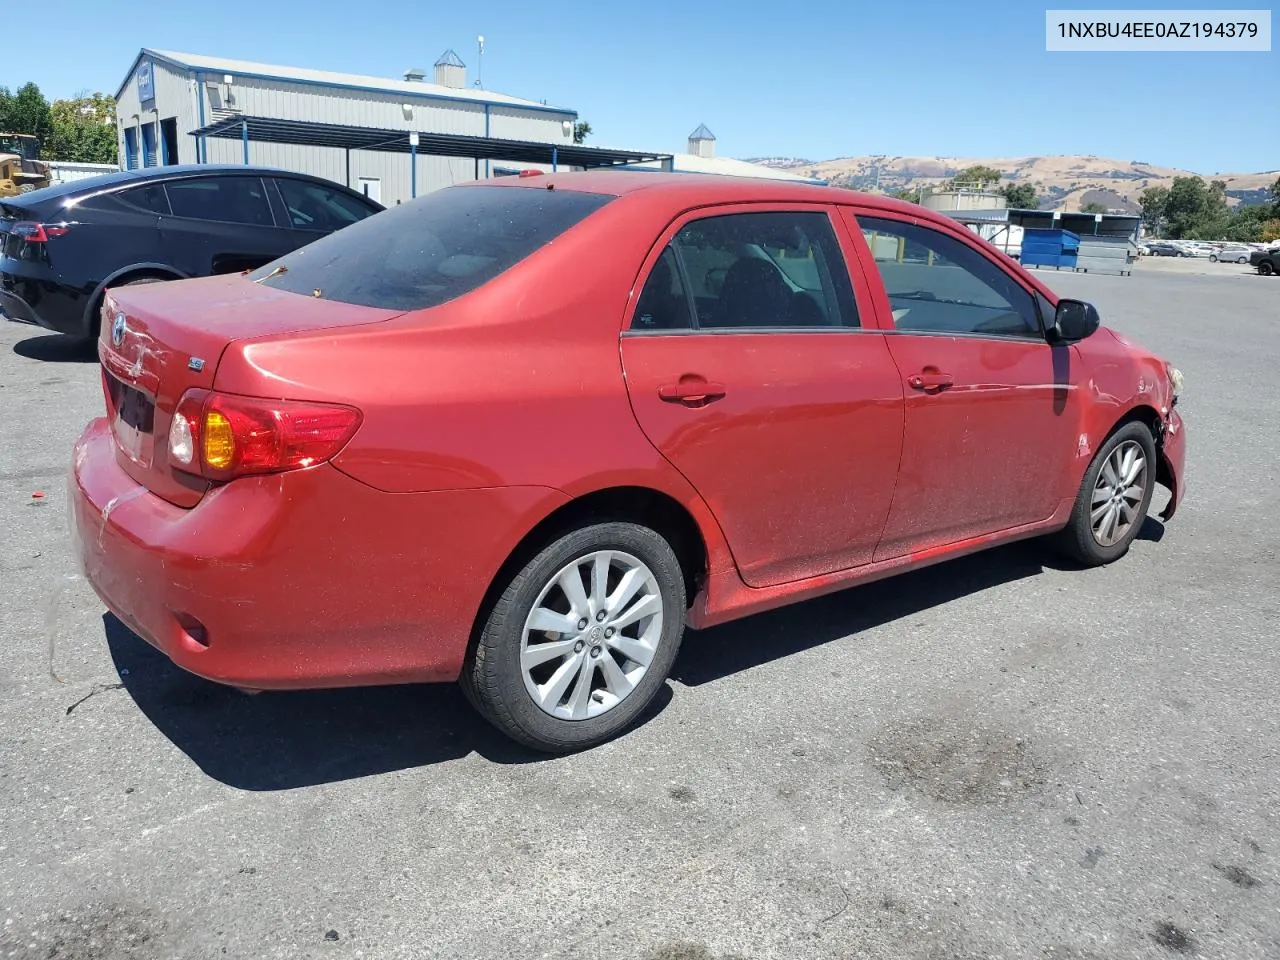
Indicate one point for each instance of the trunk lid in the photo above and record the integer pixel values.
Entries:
(160, 339)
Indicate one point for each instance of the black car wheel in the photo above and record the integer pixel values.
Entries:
(1265, 268)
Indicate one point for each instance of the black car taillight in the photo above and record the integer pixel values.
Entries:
(39, 232)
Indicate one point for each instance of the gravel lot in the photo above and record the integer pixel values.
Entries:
(993, 758)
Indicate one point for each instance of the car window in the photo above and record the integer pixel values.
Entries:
(937, 283)
(663, 304)
(224, 199)
(150, 197)
(313, 206)
(433, 249)
(766, 270)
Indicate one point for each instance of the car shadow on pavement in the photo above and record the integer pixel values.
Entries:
(57, 348)
(285, 740)
(709, 655)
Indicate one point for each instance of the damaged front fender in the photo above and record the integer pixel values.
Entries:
(1171, 446)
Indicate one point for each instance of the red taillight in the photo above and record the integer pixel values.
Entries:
(221, 436)
(39, 232)
(530, 173)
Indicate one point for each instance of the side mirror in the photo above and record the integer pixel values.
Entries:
(1074, 320)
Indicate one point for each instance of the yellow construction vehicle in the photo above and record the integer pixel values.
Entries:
(20, 168)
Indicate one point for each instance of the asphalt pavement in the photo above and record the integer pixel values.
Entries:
(998, 757)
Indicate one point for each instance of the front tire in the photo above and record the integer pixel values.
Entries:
(1213, 258)
(581, 639)
(1265, 268)
(1113, 499)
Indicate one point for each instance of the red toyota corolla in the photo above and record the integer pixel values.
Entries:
(520, 433)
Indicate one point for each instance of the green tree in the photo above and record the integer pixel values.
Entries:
(1094, 207)
(6, 104)
(1021, 196)
(83, 129)
(1245, 224)
(581, 130)
(1154, 201)
(27, 111)
(1270, 231)
(976, 176)
(910, 194)
(1274, 190)
(1195, 208)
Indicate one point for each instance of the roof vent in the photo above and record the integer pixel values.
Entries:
(702, 142)
(451, 71)
(415, 75)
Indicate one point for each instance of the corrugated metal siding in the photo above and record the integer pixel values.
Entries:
(512, 124)
(176, 93)
(174, 98)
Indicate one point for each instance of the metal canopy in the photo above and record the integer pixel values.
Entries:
(309, 134)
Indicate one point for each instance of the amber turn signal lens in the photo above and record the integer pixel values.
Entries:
(219, 440)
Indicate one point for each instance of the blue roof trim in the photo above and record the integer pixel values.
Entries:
(151, 54)
(478, 101)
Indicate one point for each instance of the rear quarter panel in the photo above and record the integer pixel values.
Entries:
(518, 383)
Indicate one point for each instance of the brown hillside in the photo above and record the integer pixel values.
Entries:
(1063, 182)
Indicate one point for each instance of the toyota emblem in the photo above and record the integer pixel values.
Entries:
(117, 330)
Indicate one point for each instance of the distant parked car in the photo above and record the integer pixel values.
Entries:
(1230, 254)
(62, 247)
(1164, 250)
(1267, 262)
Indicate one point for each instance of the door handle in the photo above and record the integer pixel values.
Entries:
(930, 380)
(692, 393)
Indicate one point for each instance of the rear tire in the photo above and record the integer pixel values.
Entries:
(1213, 258)
(1114, 497)
(1265, 268)
(562, 669)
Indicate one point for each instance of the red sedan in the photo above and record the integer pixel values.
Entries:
(520, 433)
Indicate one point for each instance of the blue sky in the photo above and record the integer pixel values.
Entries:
(817, 79)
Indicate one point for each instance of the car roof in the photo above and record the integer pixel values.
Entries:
(89, 185)
(706, 187)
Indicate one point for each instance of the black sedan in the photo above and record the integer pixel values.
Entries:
(62, 247)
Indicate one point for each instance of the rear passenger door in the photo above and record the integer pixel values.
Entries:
(221, 224)
(749, 369)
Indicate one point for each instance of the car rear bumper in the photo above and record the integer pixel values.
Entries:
(295, 580)
(44, 302)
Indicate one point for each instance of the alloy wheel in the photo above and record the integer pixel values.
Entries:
(591, 635)
(1118, 493)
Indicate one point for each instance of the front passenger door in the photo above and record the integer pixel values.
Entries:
(315, 210)
(750, 371)
(221, 224)
(991, 411)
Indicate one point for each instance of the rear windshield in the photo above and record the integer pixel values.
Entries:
(427, 252)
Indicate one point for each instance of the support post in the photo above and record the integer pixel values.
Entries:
(348, 166)
(554, 157)
(244, 139)
(413, 165)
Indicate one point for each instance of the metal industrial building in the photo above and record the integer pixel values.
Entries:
(392, 139)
